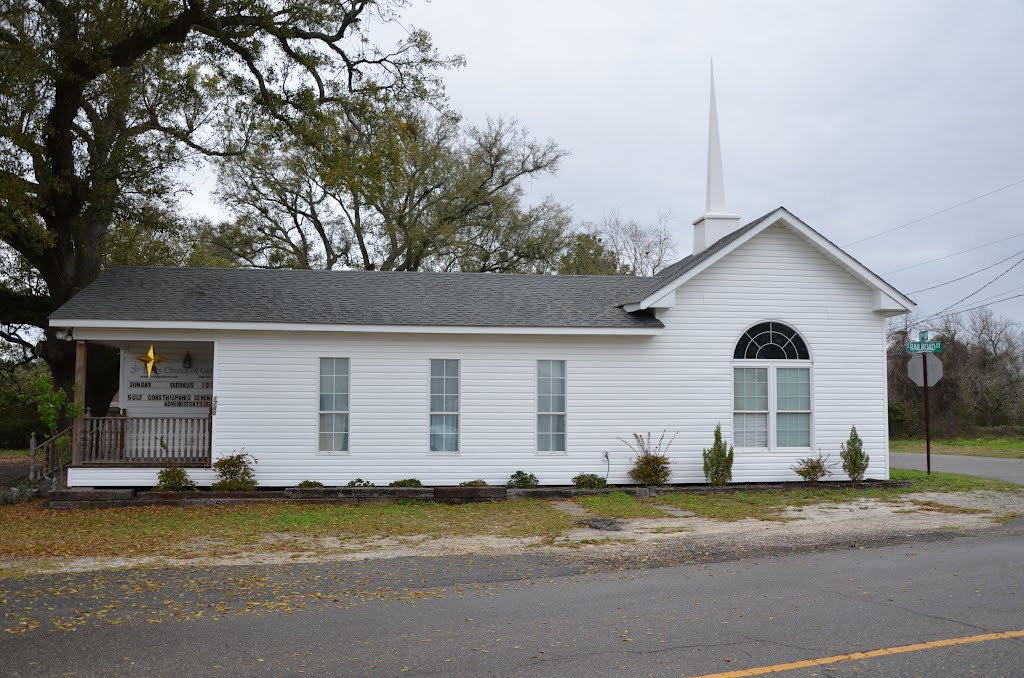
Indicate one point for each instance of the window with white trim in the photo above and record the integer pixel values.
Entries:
(334, 404)
(771, 392)
(750, 416)
(551, 406)
(444, 405)
(793, 407)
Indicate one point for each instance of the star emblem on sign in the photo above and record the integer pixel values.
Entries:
(151, 359)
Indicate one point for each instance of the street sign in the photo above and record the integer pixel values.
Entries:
(915, 369)
(922, 335)
(924, 347)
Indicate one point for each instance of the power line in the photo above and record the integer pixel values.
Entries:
(965, 310)
(1017, 263)
(954, 254)
(994, 296)
(980, 270)
(935, 214)
(954, 311)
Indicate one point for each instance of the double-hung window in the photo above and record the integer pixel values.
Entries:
(771, 389)
(334, 404)
(444, 405)
(551, 406)
(750, 405)
(793, 407)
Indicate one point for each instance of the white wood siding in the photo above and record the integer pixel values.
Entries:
(679, 380)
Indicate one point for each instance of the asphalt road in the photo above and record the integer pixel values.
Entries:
(532, 616)
(1010, 470)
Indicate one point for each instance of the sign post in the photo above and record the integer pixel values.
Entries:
(918, 372)
(927, 420)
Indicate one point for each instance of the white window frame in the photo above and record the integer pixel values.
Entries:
(537, 412)
(773, 396)
(348, 412)
(810, 404)
(766, 412)
(457, 413)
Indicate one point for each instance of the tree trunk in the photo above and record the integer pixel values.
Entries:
(102, 377)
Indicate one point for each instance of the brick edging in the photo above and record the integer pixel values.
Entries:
(117, 498)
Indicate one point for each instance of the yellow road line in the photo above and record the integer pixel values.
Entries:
(916, 647)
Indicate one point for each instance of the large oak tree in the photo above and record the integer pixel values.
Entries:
(104, 103)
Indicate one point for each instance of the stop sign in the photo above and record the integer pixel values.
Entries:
(915, 370)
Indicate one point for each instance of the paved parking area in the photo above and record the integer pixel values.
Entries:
(1010, 470)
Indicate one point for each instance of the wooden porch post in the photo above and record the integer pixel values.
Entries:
(209, 436)
(79, 424)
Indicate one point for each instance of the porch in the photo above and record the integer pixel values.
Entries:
(137, 429)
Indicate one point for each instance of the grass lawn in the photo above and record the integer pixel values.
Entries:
(29, 531)
(770, 505)
(1003, 448)
(619, 505)
(14, 453)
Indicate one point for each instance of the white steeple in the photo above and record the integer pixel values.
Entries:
(717, 221)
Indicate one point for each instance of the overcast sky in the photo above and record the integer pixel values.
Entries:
(857, 116)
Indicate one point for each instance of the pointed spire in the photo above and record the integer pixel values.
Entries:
(716, 182)
(717, 221)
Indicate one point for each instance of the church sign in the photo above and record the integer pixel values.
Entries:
(171, 384)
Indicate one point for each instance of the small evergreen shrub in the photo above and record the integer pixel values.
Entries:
(235, 473)
(855, 462)
(589, 481)
(473, 483)
(359, 482)
(718, 460)
(408, 482)
(651, 465)
(309, 484)
(521, 480)
(174, 479)
(813, 469)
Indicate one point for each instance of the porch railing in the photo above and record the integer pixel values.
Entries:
(50, 456)
(144, 441)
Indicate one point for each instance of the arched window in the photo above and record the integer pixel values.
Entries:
(771, 341)
(772, 403)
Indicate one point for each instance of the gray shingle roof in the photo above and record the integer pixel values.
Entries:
(377, 298)
(359, 298)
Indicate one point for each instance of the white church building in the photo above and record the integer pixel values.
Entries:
(767, 328)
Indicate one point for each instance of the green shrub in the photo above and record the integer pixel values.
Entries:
(54, 411)
(473, 483)
(235, 473)
(813, 469)
(718, 460)
(22, 490)
(309, 484)
(651, 465)
(521, 480)
(589, 481)
(174, 479)
(408, 482)
(855, 462)
(359, 482)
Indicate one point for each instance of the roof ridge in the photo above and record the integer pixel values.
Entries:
(353, 271)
